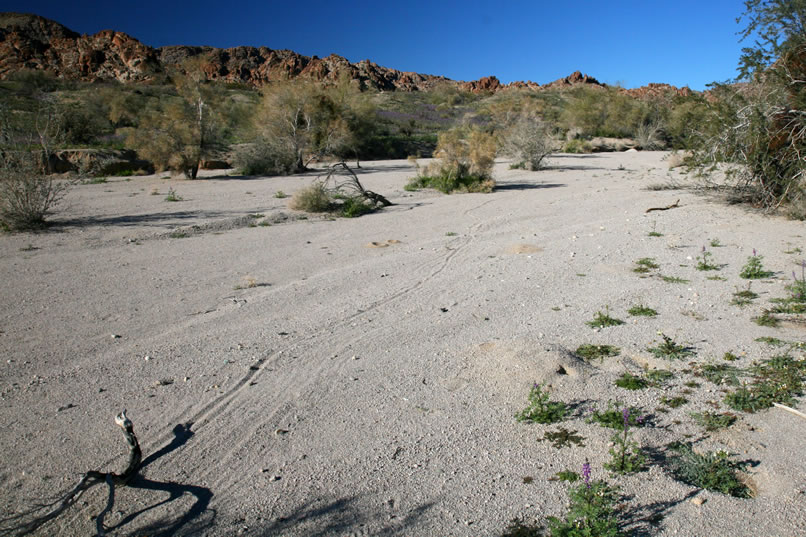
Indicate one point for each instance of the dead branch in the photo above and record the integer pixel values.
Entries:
(789, 409)
(43, 513)
(350, 185)
(674, 205)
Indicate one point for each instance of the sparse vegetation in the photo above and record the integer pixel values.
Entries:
(712, 421)
(541, 409)
(645, 265)
(628, 381)
(594, 352)
(670, 350)
(777, 380)
(465, 162)
(754, 268)
(642, 311)
(603, 320)
(713, 471)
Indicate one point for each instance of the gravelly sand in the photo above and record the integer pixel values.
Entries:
(365, 384)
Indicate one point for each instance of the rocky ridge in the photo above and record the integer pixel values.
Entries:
(31, 42)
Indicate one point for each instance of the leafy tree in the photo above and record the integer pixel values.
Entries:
(179, 131)
(760, 125)
(300, 120)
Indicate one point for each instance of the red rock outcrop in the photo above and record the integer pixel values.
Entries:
(34, 42)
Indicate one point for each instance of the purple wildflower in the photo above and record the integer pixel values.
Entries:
(640, 419)
(626, 415)
(754, 252)
(586, 473)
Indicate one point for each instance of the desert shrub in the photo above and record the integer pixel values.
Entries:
(264, 157)
(464, 164)
(577, 146)
(759, 126)
(528, 141)
(27, 193)
(179, 130)
(27, 190)
(711, 470)
(312, 199)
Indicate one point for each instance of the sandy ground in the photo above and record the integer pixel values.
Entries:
(360, 376)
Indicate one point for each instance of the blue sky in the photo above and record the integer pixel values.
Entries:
(632, 42)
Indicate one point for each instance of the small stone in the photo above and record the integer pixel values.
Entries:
(146, 357)
(354, 357)
(115, 336)
(280, 432)
(697, 501)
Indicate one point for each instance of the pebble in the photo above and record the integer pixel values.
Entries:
(697, 500)
(115, 336)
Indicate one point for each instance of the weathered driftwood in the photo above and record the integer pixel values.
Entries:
(33, 519)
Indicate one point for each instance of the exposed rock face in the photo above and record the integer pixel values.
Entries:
(658, 90)
(484, 84)
(34, 42)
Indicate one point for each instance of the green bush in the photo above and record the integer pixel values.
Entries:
(577, 146)
(312, 199)
(465, 163)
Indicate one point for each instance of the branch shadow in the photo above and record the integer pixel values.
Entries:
(155, 219)
(341, 516)
(525, 186)
(197, 517)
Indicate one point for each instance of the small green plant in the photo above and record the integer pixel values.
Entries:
(729, 357)
(777, 380)
(754, 268)
(654, 233)
(628, 381)
(720, 374)
(178, 235)
(451, 234)
(644, 265)
(569, 476)
(796, 301)
(716, 244)
(766, 319)
(673, 402)
(744, 297)
(713, 471)
(659, 377)
(541, 409)
(670, 350)
(713, 421)
(173, 196)
(704, 261)
(627, 455)
(673, 279)
(642, 311)
(772, 341)
(613, 416)
(592, 511)
(280, 194)
(592, 352)
(562, 437)
(519, 527)
(794, 251)
(603, 320)
(716, 278)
